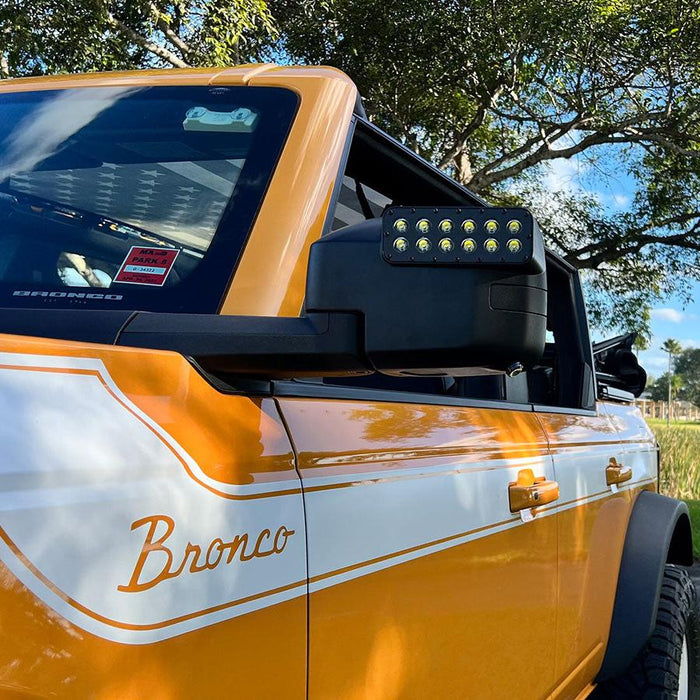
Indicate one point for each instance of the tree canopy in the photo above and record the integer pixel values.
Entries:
(687, 367)
(493, 92)
(55, 36)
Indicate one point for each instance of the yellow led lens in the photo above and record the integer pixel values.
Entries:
(514, 226)
(401, 225)
(468, 245)
(514, 245)
(490, 245)
(445, 226)
(491, 226)
(401, 244)
(468, 226)
(423, 226)
(423, 245)
(446, 245)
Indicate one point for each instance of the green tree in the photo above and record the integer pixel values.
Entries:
(53, 36)
(688, 367)
(658, 390)
(496, 92)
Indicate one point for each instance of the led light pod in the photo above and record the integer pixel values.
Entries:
(401, 225)
(514, 246)
(423, 226)
(468, 245)
(491, 245)
(491, 226)
(446, 245)
(423, 245)
(445, 226)
(469, 226)
(401, 244)
(514, 226)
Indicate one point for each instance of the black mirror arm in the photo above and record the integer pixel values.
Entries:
(318, 344)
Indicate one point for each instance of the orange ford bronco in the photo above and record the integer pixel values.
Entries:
(288, 413)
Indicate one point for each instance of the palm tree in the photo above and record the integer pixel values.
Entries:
(672, 347)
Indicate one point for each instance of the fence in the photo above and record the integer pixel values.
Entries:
(680, 410)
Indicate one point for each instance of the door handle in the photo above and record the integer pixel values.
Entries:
(530, 491)
(617, 473)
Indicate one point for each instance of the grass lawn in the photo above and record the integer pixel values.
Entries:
(694, 508)
(661, 422)
(680, 459)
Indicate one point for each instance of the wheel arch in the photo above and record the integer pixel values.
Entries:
(658, 533)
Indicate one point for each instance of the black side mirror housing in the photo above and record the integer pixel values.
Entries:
(451, 313)
(454, 313)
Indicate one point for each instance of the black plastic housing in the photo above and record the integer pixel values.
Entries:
(430, 319)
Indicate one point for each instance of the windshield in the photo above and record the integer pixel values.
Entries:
(132, 198)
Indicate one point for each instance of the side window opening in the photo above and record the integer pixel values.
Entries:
(357, 203)
(563, 378)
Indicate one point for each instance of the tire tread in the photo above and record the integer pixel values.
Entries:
(653, 675)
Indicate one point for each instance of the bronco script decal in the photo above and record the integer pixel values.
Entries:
(82, 464)
(215, 553)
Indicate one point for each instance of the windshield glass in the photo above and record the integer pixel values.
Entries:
(138, 198)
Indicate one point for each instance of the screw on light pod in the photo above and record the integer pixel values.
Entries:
(468, 245)
(401, 225)
(446, 245)
(490, 245)
(468, 226)
(491, 226)
(401, 244)
(514, 226)
(445, 226)
(514, 245)
(422, 225)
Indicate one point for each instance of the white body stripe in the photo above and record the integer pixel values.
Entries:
(375, 519)
(79, 467)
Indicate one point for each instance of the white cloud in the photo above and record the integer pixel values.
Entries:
(563, 175)
(654, 362)
(668, 314)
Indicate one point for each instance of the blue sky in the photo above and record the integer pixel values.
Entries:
(669, 319)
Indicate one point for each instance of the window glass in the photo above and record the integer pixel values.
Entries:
(148, 193)
(349, 208)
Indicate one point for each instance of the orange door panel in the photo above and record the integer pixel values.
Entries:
(592, 520)
(151, 530)
(422, 582)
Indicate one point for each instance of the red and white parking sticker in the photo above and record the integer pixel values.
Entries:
(149, 266)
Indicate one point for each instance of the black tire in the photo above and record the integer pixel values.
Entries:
(654, 673)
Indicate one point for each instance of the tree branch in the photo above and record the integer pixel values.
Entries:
(145, 43)
(173, 37)
(609, 251)
(4, 63)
